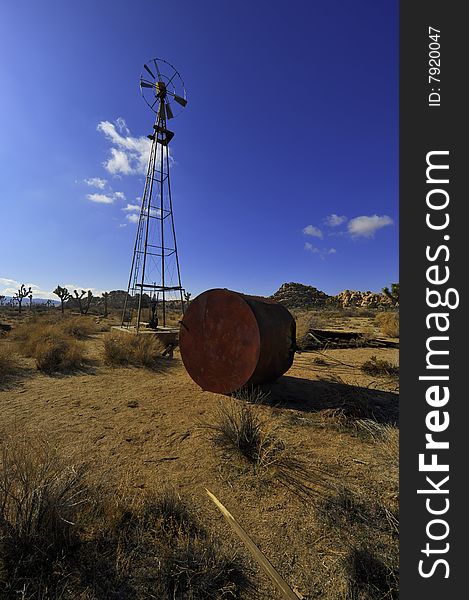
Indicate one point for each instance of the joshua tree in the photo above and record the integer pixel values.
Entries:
(393, 295)
(2, 298)
(30, 301)
(187, 296)
(105, 296)
(83, 307)
(63, 294)
(22, 292)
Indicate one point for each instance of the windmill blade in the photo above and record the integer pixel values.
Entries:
(169, 112)
(179, 100)
(147, 85)
(157, 70)
(148, 70)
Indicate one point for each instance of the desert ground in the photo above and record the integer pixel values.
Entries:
(321, 502)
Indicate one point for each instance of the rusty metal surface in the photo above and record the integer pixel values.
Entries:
(229, 340)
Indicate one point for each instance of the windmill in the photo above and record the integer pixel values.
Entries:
(155, 271)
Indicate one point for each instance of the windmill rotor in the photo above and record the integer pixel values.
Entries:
(162, 87)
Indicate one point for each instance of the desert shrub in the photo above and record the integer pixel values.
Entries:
(8, 364)
(162, 547)
(237, 429)
(29, 335)
(41, 496)
(59, 355)
(61, 537)
(381, 368)
(305, 321)
(388, 323)
(121, 349)
(54, 349)
(78, 327)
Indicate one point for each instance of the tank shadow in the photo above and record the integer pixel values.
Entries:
(352, 401)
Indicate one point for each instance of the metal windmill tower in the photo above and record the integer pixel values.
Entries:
(155, 271)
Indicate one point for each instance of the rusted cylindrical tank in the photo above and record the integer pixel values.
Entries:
(229, 340)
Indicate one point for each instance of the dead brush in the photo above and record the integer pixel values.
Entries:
(29, 335)
(62, 537)
(380, 368)
(388, 323)
(41, 497)
(59, 356)
(8, 365)
(125, 349)
(79, 327)
(305, 321)
(54, 350)
(156, 544)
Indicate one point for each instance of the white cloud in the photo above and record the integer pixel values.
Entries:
(322, 253)
(367, 226)
(122, 225)
(8, 287)
(335, 220)
(96, 182)
(129, 155)
(107, 198)
(72, 286)
(122, 126)
(132, 217)
(131, 207)
(312, 231)
(119, 163)
(100, 198)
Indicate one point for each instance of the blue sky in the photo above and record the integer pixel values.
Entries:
(286, 157)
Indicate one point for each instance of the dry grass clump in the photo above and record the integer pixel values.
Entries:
(8, 364)
(237, 429)
(164, 553)
(53, 349)
(57, 355)
(347, 404)
(380, 368)
(305, 321)
(126, 349)
(388, 323)
(79, 327)
(61, 537)
(41, 497)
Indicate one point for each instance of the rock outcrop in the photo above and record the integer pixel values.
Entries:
(297, 295)
(357, 299)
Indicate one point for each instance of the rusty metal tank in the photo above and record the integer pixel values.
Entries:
(229, 340)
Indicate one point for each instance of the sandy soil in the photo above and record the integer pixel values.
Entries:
(146, 427)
